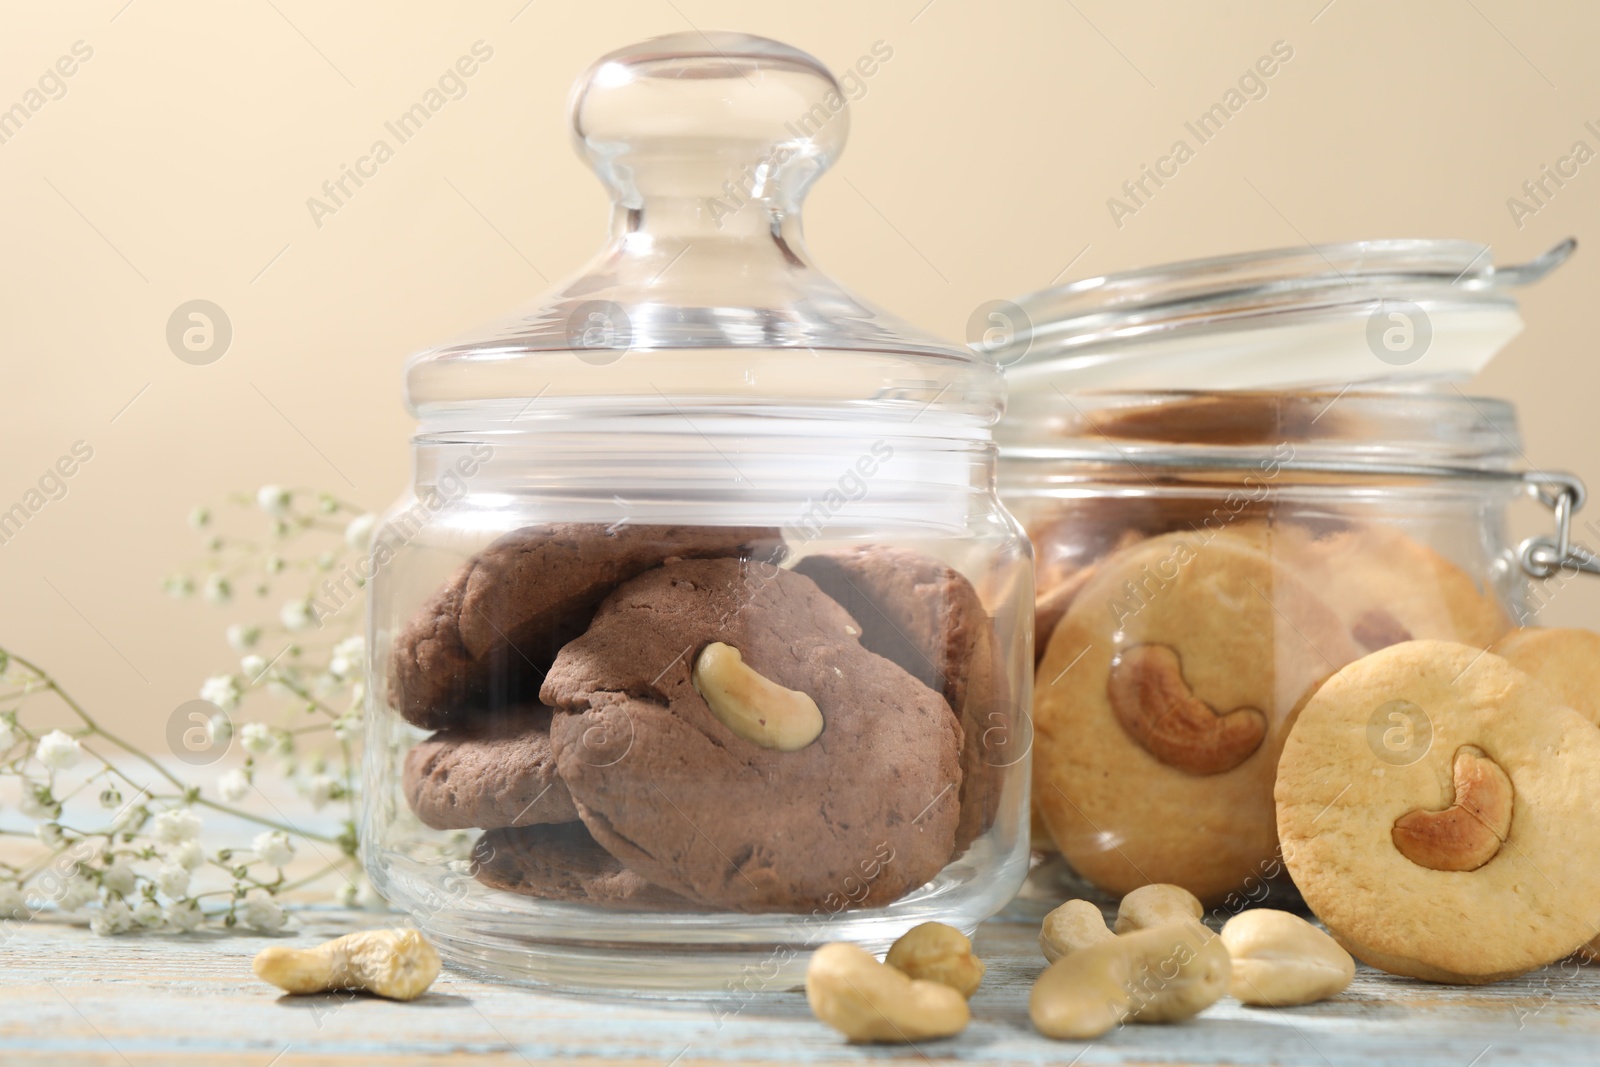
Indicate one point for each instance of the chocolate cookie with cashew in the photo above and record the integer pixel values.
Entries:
(1436, 806)
(924, 615)
(1161, 705)
(724, 733)
(487, 636)
(494, 770)
(563, 862)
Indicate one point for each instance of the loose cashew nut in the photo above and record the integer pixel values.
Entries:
(1467, 834)
(756, 708)
(1154, 704)
(1156, 905)
(1073, 926)
(935, 952)
(398, 964)
(1162, 974)
(870, 1001)
(1280, 959)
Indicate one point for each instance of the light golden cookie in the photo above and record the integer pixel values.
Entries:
(1389, 587)
(1437, 813)
(1162, 703)
(1567, 662)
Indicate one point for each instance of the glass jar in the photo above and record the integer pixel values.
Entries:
(1240, 475)
(702, 635)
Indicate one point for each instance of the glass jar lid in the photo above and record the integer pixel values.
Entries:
(704, 299)
(1364, 311)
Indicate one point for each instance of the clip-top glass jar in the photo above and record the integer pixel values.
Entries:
(704, 636)
(1239, 476)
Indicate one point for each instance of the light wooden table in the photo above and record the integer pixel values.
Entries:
(68, 997)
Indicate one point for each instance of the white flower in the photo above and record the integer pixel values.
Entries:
(252, 667)
(273, 499)
(273, 848)
(13, 904)
(223, 691)
(297, 615)
(179, 586)
(148, 914)
(261, 912)
(369, 898)
(233, 786)
(358, 535)
(76, 893)
(113, 917)
(217, 589)
(173, 880)
(256, 737)
(119, 877)
(348, 894)
(320, 790)
(348, 726)
(49, 834)
(185, 917)
(58, 750)
(242, 637)
(348, 657)
(200, 516)
(8, 735)
(186, 854)
(175, 826)
(220, 727)
(33, 807)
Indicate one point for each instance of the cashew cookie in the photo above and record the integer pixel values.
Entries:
(1161, 705)
(733, 807)
(1567, 662)
(1436, 810)
(925, 616)
(492, 771)
(488, 635)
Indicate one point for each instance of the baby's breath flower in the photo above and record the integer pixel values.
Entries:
(256, 737)
(273, 848)
(297, 615)
(347, 727)
(223, 691)
(358, 535)
(36, 803)
(320, 790)
(176, 826)
(274, 564)
(233, 786)
(173, 880)
(347, 657)
(114, 917)
(179, 586)
(58, 750)
(110, 797)
(77, 892)
(186, 854)
(349, 894)
(369, 898)
(119, 877)
(261, 912)
(243, 637)
(220, 728)
(49, 834)
(252, 667)
(218, 589)
(8, 734)
(273, 499)
(148, 914)
(185, 917)
(13, 903)
(200, 516)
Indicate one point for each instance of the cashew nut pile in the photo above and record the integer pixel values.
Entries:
(398, 964)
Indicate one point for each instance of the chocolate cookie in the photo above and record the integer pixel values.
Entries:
(493, 771)
(489, 634)
(862, 812)
(563, 862)
(926, 616)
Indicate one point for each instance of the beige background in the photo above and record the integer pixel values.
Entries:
(178, 164)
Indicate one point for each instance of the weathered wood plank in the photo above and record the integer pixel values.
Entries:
(68, 997)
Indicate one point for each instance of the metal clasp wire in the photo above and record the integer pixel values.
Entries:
(1543, 557)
